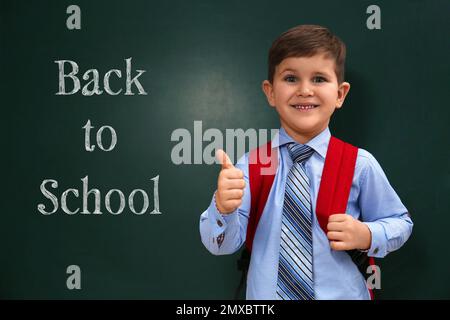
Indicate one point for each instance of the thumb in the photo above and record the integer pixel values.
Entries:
(223, 159)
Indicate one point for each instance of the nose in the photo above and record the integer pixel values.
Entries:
(304, 90)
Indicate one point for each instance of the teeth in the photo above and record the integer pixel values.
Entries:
(304, 107)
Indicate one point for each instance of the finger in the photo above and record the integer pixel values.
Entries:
(338, 245)
(336, 236)
(339, 217)
(234, 203)
(233, 194)
(223, 159)
(234, 173)
(235, 184)
(335, 226)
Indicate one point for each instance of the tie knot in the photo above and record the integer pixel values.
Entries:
(299, 152)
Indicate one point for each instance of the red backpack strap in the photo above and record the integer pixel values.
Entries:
(263, 162)
(336, 182)
(337, 177)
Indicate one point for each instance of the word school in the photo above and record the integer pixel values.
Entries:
(96, 193)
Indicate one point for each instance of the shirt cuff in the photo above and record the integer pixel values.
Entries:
(378, 246)
(221, 221)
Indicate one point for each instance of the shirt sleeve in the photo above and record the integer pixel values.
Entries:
(381, 209)
(225, 233)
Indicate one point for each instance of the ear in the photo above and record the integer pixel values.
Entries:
(268, 91)
(343, 89)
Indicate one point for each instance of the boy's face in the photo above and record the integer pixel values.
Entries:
(305, 93)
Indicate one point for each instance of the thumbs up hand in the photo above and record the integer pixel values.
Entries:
(230, 185)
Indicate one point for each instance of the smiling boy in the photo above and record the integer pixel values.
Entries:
(292, 257)
(305, 92)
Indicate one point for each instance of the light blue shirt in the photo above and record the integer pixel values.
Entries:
(372, 200)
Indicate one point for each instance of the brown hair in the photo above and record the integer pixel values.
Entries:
(306, 41)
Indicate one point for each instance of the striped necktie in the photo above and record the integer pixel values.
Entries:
(295, 272)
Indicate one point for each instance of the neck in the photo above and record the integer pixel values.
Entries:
(302, 137)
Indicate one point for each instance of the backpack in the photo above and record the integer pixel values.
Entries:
(334, 190)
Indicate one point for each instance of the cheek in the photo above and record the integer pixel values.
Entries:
(283, 94)
(330, 95)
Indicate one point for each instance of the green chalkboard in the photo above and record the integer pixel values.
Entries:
(204, 62)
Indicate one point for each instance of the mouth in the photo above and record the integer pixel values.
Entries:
(304, 107)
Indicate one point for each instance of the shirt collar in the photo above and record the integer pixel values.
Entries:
(319, 143)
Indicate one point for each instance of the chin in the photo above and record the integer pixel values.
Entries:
(304, 127)
(308, 129)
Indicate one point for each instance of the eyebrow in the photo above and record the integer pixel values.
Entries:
(284, 70)
(316, 72)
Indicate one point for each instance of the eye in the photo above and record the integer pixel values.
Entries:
(290, 78)
(319, 79)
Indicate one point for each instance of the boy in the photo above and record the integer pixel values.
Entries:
(292, 257)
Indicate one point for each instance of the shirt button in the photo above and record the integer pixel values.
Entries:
(375, 251)
(219, 223)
